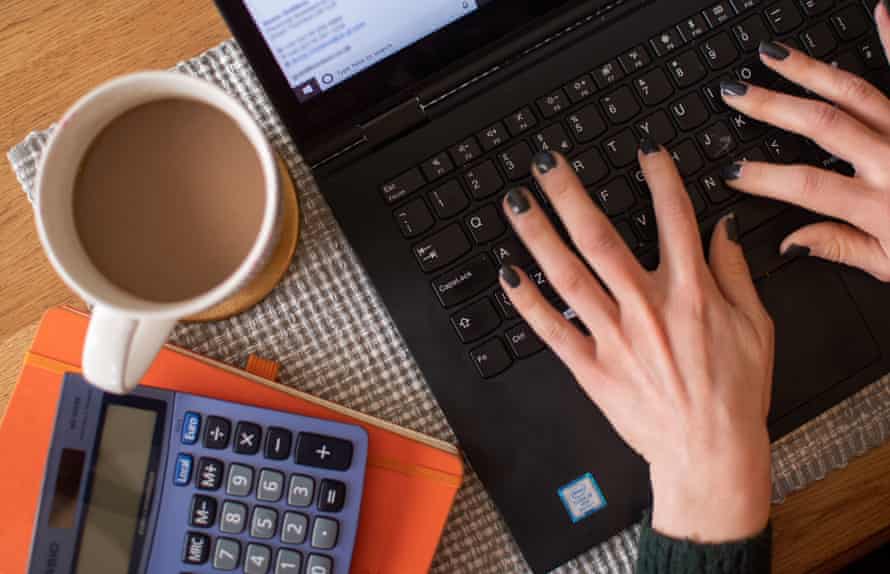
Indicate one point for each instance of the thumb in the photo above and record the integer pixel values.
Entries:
(730, 268)
(840, 243)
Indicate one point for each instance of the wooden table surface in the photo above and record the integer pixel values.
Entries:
(53, 52)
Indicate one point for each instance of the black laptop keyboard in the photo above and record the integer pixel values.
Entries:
(449, 207)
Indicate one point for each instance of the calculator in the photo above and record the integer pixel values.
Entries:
(162, 482)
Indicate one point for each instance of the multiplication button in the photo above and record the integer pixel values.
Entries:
(247, 438)
(323, 451)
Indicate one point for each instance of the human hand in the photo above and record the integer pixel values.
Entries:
(856, 130)
(679, 360)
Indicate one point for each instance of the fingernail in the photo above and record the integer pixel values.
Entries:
(887, 5)
(773, 50)
(544, 161)
(510, 276)
(731, 172)
(648, 146)
(732, 227)
(733, 88)
(517, 201)
(794, 251)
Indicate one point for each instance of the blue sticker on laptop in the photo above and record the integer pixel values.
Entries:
(582, 497)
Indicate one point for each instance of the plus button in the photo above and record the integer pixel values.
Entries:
(323, 452)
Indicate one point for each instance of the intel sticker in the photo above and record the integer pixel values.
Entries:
(582, 497)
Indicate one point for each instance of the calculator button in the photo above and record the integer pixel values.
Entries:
(264, 523)
(247, 438)
(240, 480)
(210, 473)
(191, 427)
(233, 517)
(323, 451)
(293, 528)
(203, 513)
(257, 559)
(331, 496)
(197, 548)
(182, 470)
(318, 564)
(216, 433)
(271, 486)
(301, 490)
(226, 554)
(324, 533)
(288, 562)
(278, 443)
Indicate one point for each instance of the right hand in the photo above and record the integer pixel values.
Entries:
(856, 129)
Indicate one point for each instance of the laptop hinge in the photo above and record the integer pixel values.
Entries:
(393, 123)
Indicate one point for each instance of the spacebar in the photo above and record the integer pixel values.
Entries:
(751, 213)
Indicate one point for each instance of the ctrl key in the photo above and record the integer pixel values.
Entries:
(491, 358)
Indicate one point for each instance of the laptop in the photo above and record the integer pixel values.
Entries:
(418, 117)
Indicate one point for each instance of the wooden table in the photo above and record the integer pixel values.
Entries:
(52, 52)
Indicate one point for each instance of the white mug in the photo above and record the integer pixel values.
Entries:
(126, 332)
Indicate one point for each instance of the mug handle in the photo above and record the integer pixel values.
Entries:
(119, 350)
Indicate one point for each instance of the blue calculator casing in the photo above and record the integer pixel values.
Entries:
(159, 542)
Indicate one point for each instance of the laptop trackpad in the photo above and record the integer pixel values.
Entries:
(821, 339)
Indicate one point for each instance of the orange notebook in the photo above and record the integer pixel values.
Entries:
(410, 482)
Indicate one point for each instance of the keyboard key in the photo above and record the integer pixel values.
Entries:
(270, 487)
(753, 154)
(466, 280)
(191, 427)
(542, 283)
(278, 441)
(687, 69)
(608, 74)
(483, 180)
(331, 495)
(257, 559)
(300, 491)
(819, 40)
(719, 13)
(466, 151)
(615, 196)
(689, 112)
(590, 167)
(485, 224)
(505, 305)
(293, 528)
(627, 234)
(872, 54)
(209, 474)
(638, 178)
(318, 564)
(414, 218)
(719, 51)
(476, 321)
(713, 96)
(182, 470)
(653, 87)
(750, 32)
(693, 27)
(687, 158)
(448, 200)
(553, 138)
(850, 23)
(666, 42)
(816, 7)
(621, 149)
(402, 186)
(523, 341)
(217, 432)
(657, 127)
(493, 136)
(247, 438)
(233, 518)
(520, 121)
(634, 59)
(716, 141)
(754, 71)
(783, 16)
(516, 161)
(437, 167)
(698, 204)
(511, 252)
(644, 223)
(586, 124)
(324, 535)
(203, 513)
(323, 451)
(491, 358)
(553, 104)
(288, 562)
(746, 128)
(715, 189)
(742, 5)
(850, 61)
(620, 105)
(197, 548)
(240, 481)
(783, 147)
(580, 89)
(264, 523)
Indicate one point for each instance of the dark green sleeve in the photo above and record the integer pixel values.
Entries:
(663, 555)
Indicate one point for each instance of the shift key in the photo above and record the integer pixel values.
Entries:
(442, 248)
(466, 280)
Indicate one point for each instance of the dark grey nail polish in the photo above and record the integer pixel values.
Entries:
(887, 5)
(731, 172)
(733, 88)
(510, 276)
(732, 227)
(648, 146)
(794, 251)
(544, 161)
(518, 202)
(773, 50)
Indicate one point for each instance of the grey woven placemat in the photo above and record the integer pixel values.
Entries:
(329, 330)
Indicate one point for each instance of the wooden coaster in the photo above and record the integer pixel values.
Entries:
(266, 280)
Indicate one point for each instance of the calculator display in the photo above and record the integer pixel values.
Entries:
(119, 478)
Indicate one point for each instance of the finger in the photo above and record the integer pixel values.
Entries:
(679, 239)
(730, 268)
(882, 17)
(565, 271)
(829, 126)
(574, 349)
(815, 189)
(859, 98)
(841, 244)
(591, 231)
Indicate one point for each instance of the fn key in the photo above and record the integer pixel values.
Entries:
(491, 358)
